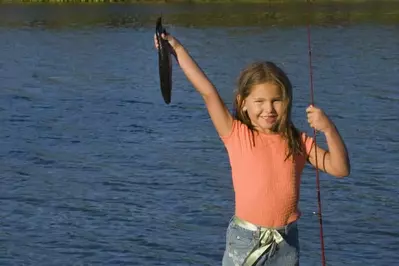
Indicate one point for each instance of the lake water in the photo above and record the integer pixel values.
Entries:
(97, 170)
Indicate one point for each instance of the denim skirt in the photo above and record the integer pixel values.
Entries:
(240, 242)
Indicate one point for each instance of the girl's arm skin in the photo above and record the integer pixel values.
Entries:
(335, 161)
(219, 113)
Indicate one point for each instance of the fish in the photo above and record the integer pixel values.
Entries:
(164, 62)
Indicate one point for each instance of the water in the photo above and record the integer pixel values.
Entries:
(97, 170)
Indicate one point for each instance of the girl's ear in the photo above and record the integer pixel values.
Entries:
(238, 98)
(241, 102)
(244, 106)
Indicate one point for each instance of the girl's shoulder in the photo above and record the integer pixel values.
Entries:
(238, 129)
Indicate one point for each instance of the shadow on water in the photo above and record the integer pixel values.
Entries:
(198, 15)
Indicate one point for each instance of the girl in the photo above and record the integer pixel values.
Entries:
(267, 155)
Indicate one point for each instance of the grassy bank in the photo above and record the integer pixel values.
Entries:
(197, 1)
(217, 14)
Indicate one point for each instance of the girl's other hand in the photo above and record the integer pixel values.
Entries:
(318, 120)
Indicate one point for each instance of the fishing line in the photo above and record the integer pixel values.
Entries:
(319, 214)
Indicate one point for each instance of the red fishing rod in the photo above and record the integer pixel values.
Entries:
(319, 214)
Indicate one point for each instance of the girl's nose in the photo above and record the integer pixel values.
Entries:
(269, 107)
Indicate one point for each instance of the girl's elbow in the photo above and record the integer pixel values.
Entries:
(342, 174)
(341, 169)
(345, 172)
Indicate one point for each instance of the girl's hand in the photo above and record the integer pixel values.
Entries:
(318, 119)
(173, 42)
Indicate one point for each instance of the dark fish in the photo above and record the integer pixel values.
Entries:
(164, 62)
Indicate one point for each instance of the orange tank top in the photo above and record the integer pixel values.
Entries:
(266, 186)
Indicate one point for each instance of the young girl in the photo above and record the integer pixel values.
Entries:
(267, 155)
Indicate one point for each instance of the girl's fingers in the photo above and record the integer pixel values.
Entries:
(155, 41)
(164, 36)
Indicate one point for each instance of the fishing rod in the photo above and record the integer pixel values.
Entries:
(319, 213)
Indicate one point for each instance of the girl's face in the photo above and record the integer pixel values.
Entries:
(264, 106)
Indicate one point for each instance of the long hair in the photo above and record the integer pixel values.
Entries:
(268, 72)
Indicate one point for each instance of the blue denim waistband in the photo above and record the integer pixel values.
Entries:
(255, 228)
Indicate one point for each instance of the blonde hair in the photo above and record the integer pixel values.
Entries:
(268, 72)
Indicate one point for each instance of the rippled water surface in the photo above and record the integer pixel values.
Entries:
(97, 170)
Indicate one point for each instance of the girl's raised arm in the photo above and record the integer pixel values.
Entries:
(218, 111)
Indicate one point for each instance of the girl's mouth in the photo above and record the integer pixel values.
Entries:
(270, 119)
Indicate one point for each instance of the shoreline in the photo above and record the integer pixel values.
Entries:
(167, 2)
